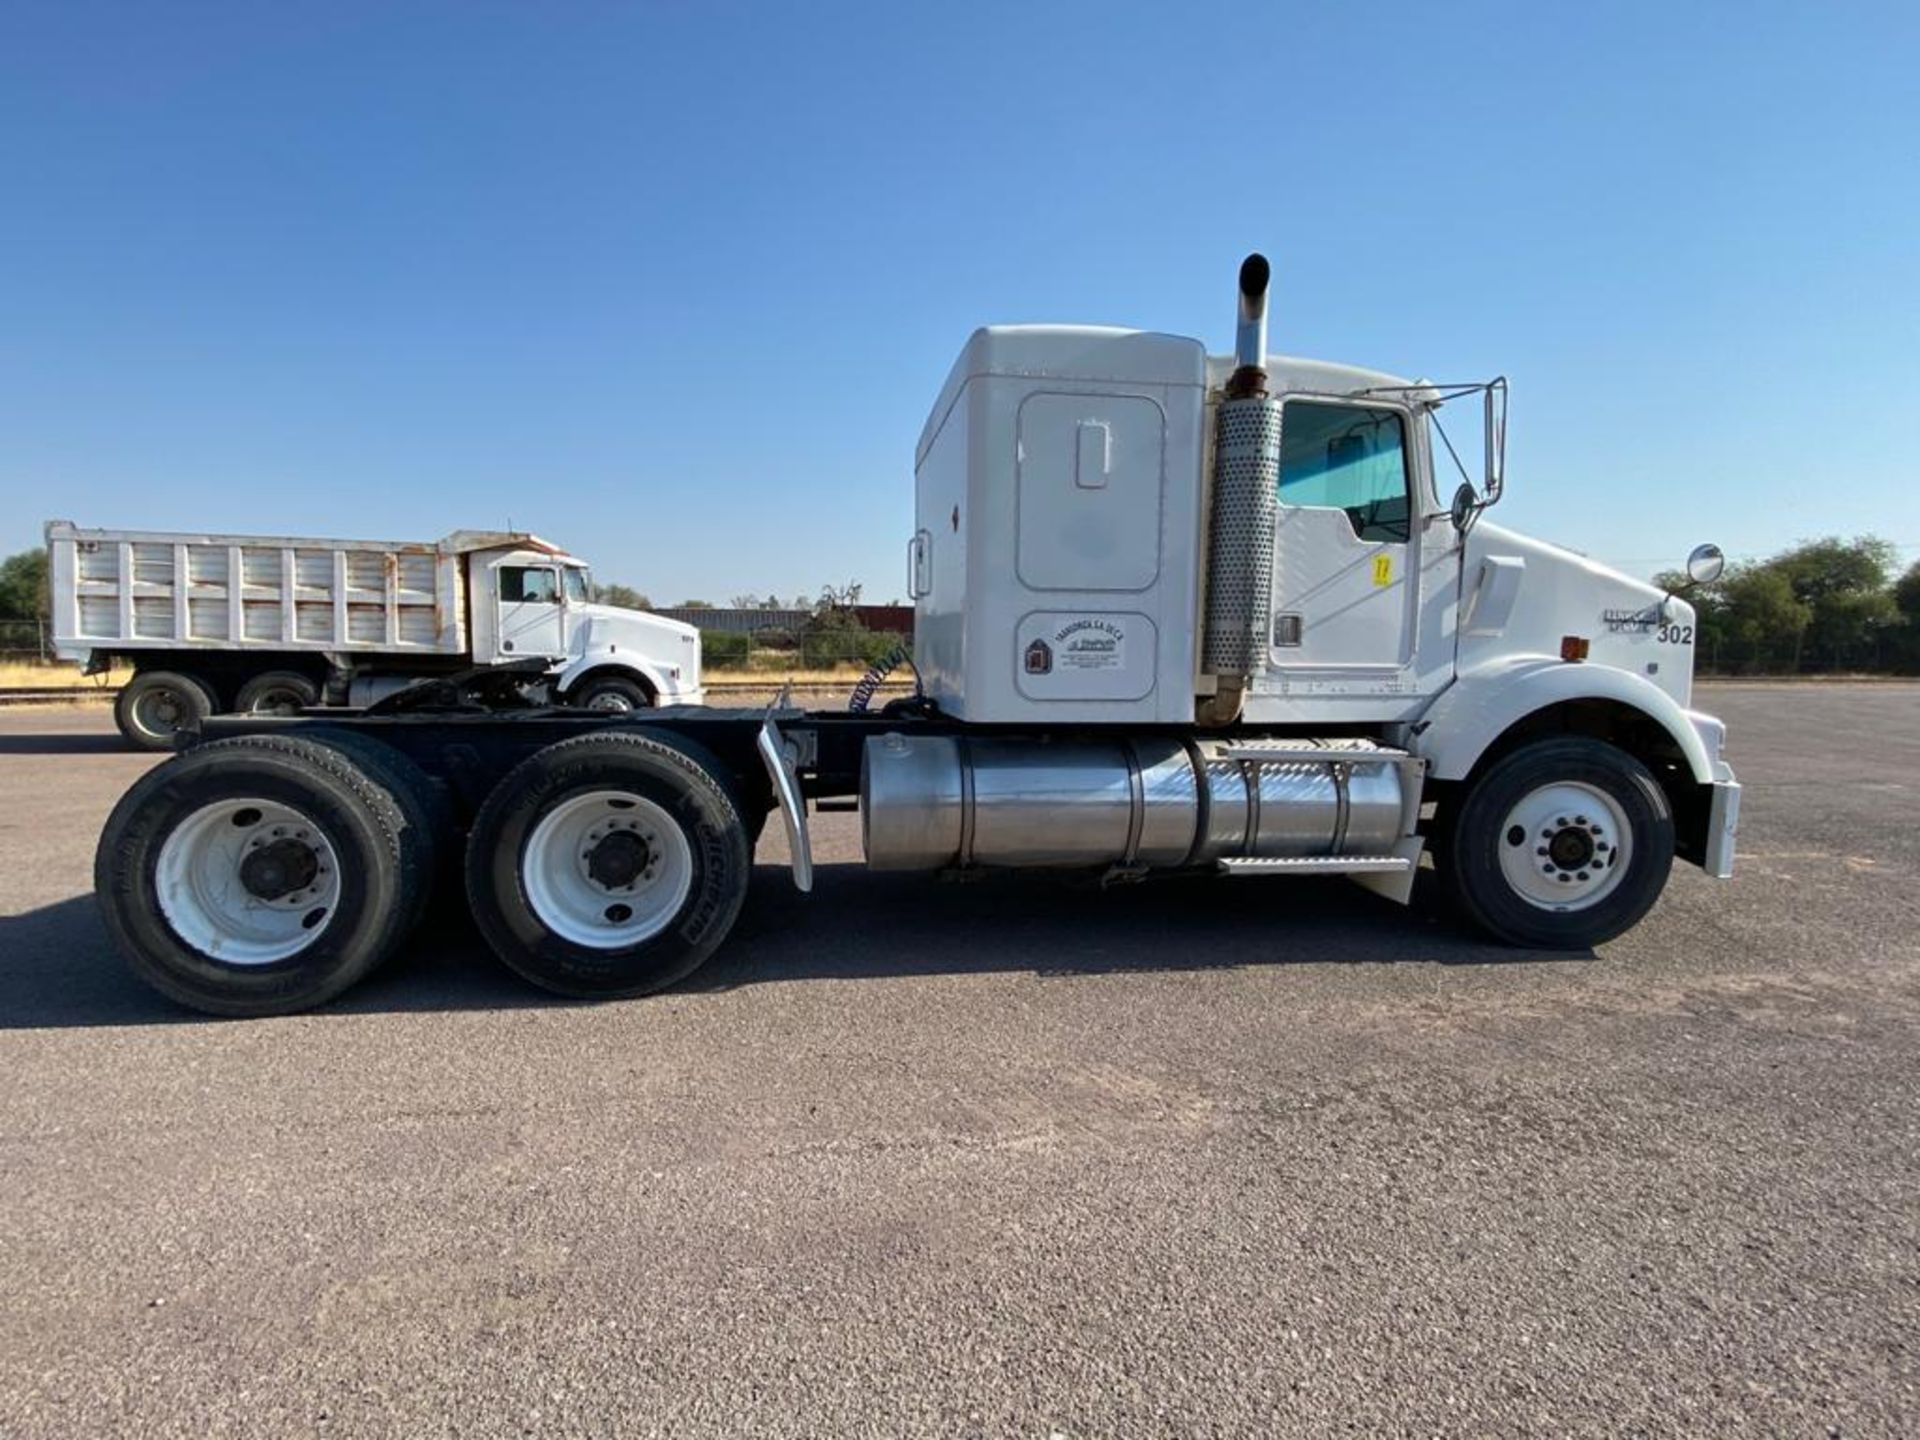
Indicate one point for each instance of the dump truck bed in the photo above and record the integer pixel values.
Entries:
(121, 590)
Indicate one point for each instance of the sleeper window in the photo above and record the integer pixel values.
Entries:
(1347, 457)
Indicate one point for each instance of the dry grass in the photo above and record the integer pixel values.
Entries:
(760, 678)
(30, 675)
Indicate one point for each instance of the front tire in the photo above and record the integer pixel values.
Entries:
(611, 694)
(156, 705)
(609, 865)
(1561, 845)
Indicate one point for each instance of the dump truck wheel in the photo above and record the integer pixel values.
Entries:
(608, 865)
(278, 692)
(259, 876)
(156, 705)
(611, 694)
(1561, 845)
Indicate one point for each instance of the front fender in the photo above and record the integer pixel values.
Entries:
(1484, 703)
(623, 661)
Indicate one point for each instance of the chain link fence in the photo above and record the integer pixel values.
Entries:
(25, 641)
(725, 653)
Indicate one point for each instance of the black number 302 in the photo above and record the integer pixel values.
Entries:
(1675, 635)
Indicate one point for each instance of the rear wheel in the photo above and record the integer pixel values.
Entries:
(610, 865)
(156, 705)
(1561, 845)
(611, 693)
(259, 876)
(278, 692)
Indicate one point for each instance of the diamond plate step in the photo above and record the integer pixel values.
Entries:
(1294, 752)
(1316, 865)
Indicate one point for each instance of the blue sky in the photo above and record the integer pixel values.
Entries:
(676, 284)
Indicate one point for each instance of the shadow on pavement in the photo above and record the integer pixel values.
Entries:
(55, 742)
(58, 969)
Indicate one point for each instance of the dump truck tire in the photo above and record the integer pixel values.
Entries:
(156, 705)
(278, 692)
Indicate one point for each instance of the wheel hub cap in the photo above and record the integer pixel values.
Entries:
(619, 859)
(279, 868)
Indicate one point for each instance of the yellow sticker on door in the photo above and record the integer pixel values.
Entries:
(1383, 569)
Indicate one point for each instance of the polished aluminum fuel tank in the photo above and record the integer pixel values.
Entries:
(930, 802)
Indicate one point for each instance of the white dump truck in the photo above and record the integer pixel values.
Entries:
(1175, 612)
(272, 624)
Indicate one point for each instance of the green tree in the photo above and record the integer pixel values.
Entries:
(23, 586)
(1844, 585)
(1762, 622)
(624, 596)
(1906, 594)
(1906, 599)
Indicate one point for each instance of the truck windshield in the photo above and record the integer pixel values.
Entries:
(576, 578)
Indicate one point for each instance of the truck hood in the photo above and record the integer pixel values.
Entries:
(600, 628)
(1525, 595)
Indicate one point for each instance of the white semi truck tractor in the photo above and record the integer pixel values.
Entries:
(1175, 612)
(273, 624)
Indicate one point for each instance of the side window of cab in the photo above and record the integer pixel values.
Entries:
(1347, 457)
(534, 583)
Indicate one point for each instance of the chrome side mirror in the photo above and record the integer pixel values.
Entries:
(1706, 564)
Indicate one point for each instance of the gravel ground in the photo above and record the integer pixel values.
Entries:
(1005, 1158)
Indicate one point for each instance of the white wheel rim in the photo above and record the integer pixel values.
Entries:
(607, 869)
(611, 700)
(1565, 846)
(248, 882)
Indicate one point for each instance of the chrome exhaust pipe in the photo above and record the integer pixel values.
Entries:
(1250, 343)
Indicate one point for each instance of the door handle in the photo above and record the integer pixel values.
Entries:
(919, 565)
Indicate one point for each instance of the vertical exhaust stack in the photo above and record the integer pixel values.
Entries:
(1246, 486)
(1250, 341)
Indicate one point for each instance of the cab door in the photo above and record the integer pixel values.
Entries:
(1347, 555)
(532, 618)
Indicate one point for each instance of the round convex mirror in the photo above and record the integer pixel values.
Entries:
(1705, 564)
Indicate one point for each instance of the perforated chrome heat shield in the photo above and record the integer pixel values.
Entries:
(1246, 480)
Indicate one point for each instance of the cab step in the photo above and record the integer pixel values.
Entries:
(1314, 752)
(1317, 865)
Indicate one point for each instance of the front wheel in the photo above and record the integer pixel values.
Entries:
(611, 694)
(1561, 845)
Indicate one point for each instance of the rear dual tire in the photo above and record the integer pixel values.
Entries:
(278, 692)
(610, 865)
(155, 706)
(265, 875)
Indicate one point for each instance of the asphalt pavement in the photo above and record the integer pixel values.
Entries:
(1012, 1157)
